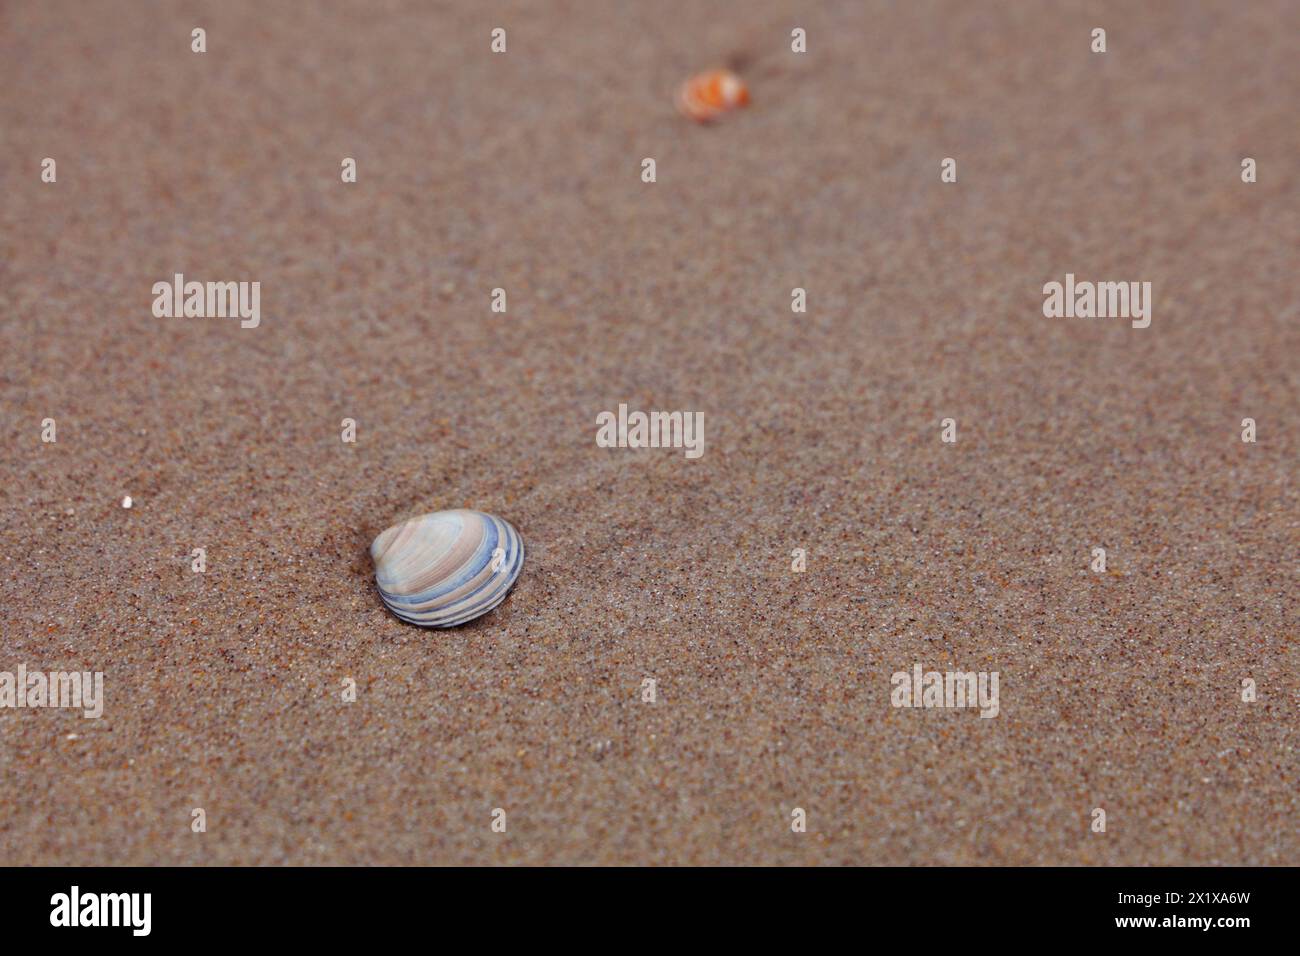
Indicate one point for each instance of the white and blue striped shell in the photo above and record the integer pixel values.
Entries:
(447, 567)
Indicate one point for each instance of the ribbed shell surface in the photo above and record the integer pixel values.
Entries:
(438, 570)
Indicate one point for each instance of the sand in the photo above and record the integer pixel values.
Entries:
(224, 690)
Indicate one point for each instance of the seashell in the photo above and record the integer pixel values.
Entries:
(708, 95)
(447, 567)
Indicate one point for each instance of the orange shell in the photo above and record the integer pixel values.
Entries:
(708, 95)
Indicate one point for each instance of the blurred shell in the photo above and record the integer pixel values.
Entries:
(708, 95)
(447, 567)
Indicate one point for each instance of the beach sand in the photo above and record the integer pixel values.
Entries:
(224, 690)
